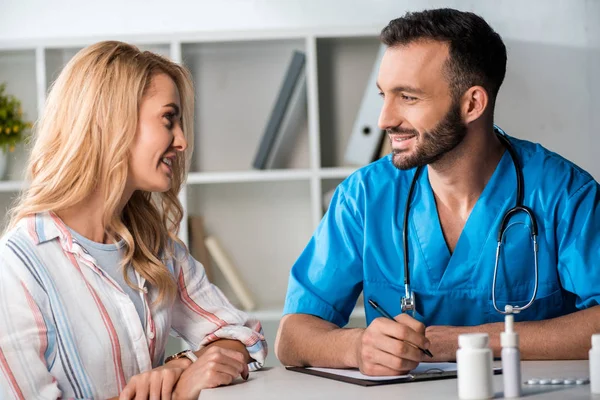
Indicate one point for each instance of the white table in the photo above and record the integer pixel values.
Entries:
(278, 383)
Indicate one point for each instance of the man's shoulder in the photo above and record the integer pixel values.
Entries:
(541, 164)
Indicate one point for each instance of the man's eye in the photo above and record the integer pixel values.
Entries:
(381, 94)
(408, 98)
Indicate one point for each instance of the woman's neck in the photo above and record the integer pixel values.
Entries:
(86, 217)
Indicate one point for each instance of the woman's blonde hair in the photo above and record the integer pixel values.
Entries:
(82, 143)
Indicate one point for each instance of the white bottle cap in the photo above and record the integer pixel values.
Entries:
(509, 338)
(596, 341)
(473, 340)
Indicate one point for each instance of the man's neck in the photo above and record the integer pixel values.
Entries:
(459, 177)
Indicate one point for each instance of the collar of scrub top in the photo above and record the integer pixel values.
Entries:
(407, 302)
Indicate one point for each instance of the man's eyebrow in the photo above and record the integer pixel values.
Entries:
(175, 106)
(408, 89)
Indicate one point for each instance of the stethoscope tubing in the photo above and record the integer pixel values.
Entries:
(408, 300)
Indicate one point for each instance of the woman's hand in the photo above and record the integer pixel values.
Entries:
(156, 384)
(215, 367)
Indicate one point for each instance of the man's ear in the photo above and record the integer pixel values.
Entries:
(474, 102)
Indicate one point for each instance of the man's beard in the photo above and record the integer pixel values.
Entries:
(432, 145)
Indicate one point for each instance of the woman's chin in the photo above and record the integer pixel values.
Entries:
(157, 187)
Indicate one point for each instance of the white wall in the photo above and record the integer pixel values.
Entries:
(551, 94)
(565, 22)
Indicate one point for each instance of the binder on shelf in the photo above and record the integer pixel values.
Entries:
(294, 119)
(286, 93)
(366, 136)
(233, 277)
(198, 249)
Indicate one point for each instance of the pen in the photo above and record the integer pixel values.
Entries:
(384, 313)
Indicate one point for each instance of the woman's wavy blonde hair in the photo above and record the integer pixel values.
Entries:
(82, 143)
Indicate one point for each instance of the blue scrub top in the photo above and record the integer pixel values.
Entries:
(358, 246)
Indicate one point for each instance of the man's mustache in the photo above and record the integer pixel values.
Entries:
(397, 131)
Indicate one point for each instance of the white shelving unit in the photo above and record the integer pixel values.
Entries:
(262, 218)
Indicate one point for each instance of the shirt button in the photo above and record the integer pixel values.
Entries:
(151, 335)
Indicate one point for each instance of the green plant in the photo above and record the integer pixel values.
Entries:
(12, 123)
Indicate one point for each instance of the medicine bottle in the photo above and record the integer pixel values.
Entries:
(474, 364)
(511, 359)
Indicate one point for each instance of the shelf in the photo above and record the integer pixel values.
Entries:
(11, 186)
(274, 314)
(336, 173)
(198, 178)
(239, 82)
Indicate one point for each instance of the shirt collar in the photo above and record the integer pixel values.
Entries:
(44, 227)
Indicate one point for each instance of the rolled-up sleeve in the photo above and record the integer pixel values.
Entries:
(327, 278)
(202, 314)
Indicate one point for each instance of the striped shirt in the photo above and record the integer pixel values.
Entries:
(68, 330)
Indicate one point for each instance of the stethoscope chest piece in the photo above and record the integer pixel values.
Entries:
(407, 303)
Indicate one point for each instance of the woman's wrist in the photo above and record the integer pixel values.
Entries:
(182, 363)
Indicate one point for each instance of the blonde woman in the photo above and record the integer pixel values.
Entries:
(92, 275)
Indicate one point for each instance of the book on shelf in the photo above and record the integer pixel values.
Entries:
(232, 275)
(198, 250)
(365, 138)
(287, 117)
(294, 120)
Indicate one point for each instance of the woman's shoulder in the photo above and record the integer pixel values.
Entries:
(23, 234)
(28, 241)
(20, 254)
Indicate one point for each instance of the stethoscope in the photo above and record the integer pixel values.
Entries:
(408, 300)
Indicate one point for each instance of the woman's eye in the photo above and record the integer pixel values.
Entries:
(169, 117)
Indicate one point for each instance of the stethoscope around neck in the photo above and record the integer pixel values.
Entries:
(408, 300)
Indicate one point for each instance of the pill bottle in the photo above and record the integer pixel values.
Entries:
(474, 365)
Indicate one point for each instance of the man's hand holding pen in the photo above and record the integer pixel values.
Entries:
(391, 347)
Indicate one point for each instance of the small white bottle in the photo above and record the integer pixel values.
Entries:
(595, 364)
(511, 359)
(474, 365)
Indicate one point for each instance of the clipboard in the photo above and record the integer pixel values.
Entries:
(424, 372)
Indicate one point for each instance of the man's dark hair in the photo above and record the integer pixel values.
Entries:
(477, 53)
